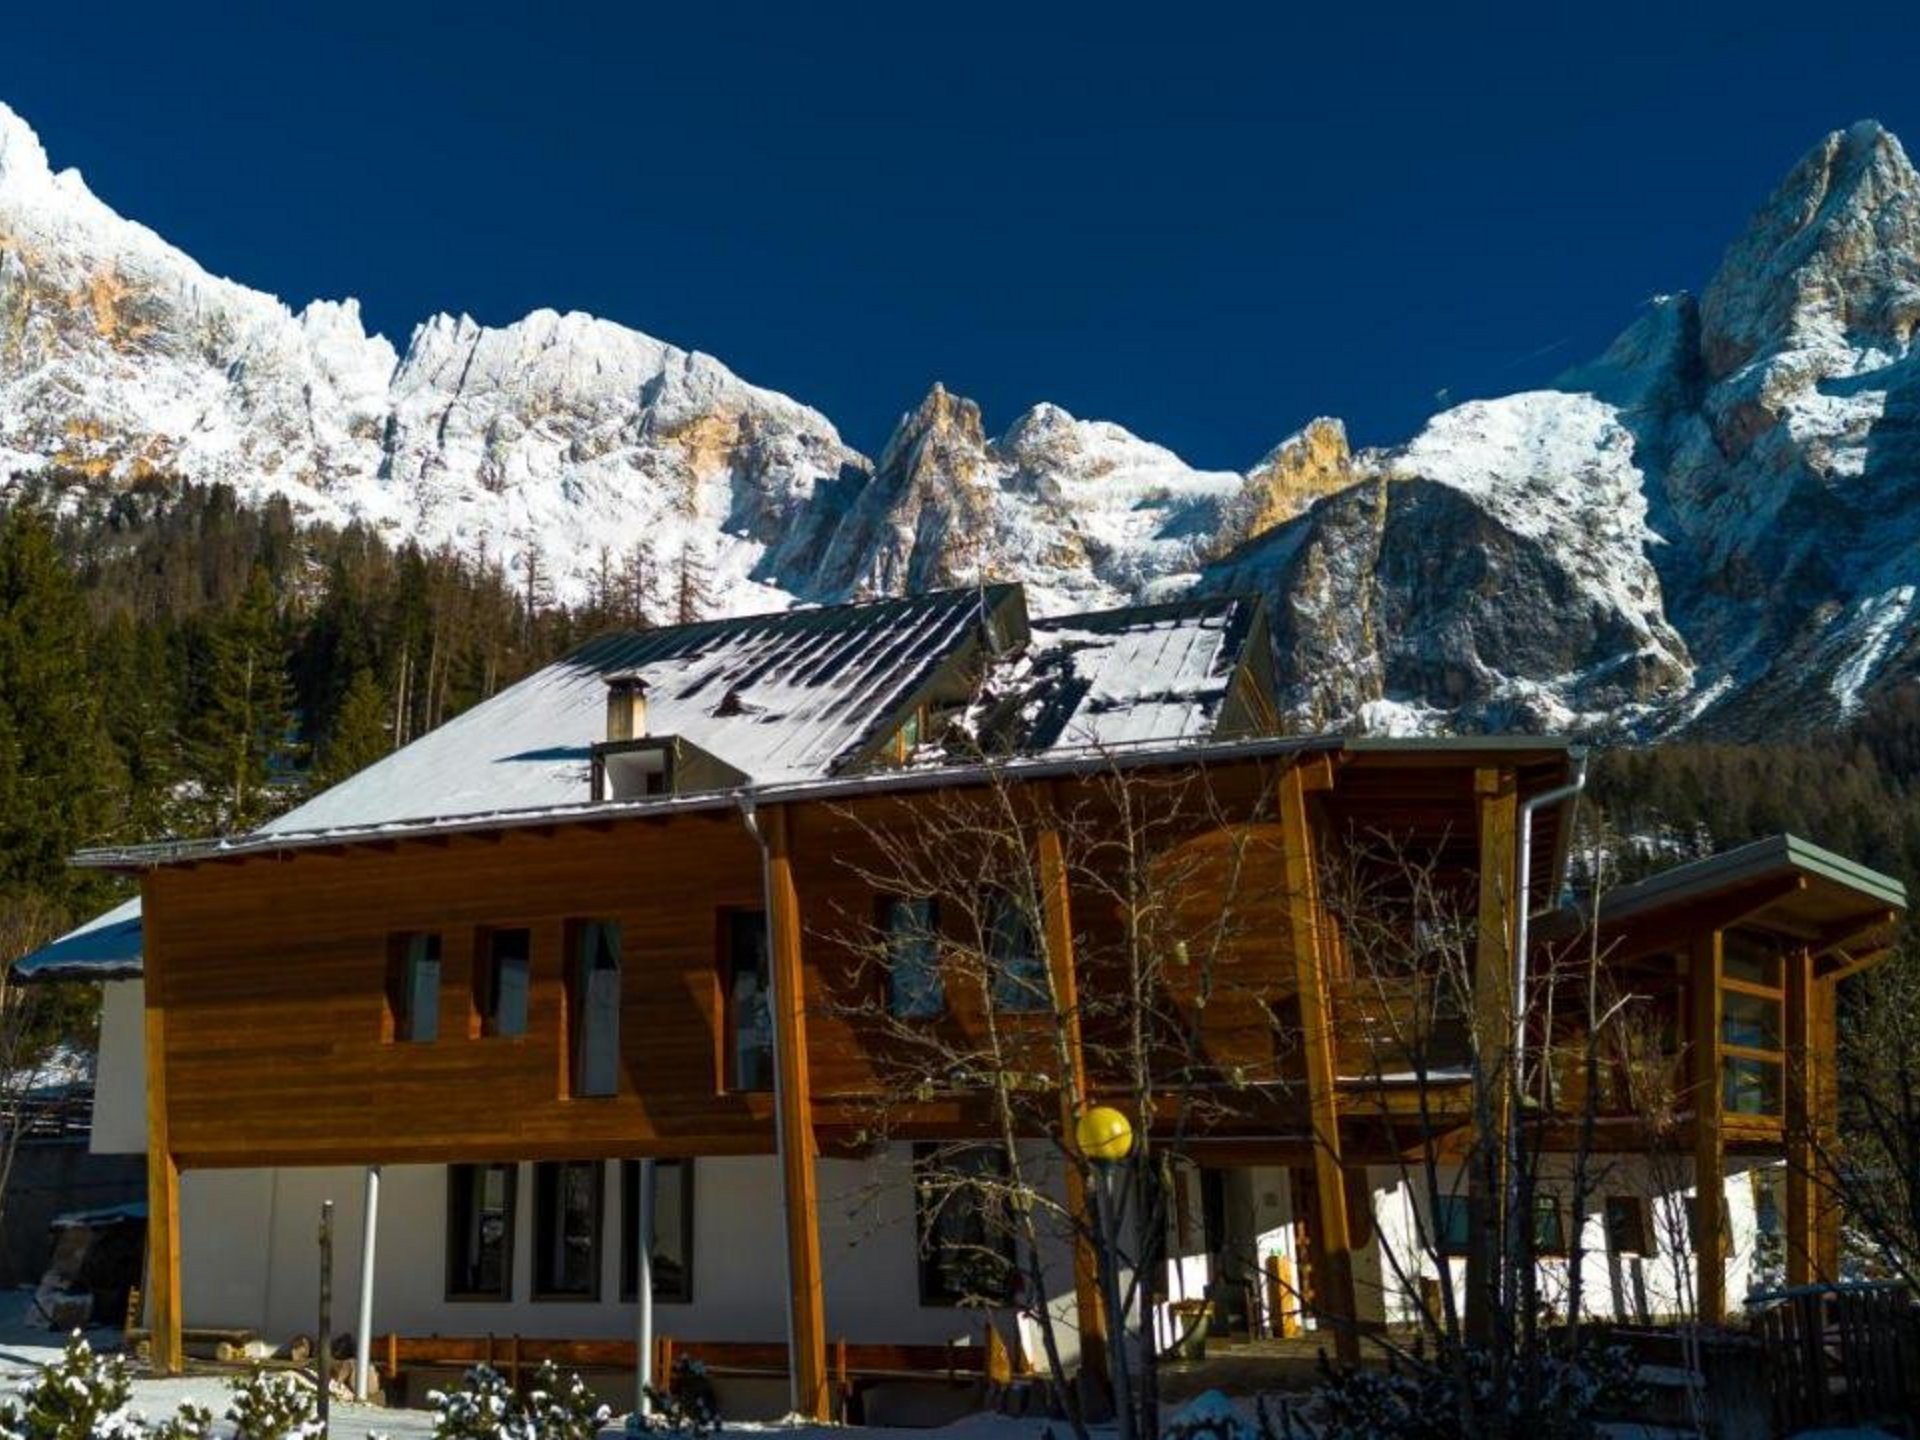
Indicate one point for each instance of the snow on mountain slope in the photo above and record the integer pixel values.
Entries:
(1715, 525)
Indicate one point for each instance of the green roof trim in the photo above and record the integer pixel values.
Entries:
(1752, 861)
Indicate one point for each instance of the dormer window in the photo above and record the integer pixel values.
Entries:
(633, 770)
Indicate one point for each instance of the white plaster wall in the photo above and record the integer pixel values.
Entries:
(1659, 1284)
(120, 1075)
(250, 1257)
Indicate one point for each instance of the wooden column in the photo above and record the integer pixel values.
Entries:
(1334, 1253)
(1055, 896)
(1825, 1076)
(163, 1174)
(1709, 1141)
(1798, 1043)
(1498, 812)
(806, 1298)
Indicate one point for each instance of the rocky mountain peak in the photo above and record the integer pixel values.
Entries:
(1313, 461)
(22, 157)
(1833, 257)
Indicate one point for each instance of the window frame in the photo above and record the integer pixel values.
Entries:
(510, 1214)
(732, 921)
(1560, 1246)
(1442, 1217)
(545, 1294)
(886, 907)
(628, 1278)
(1641, 1234)
(1011, 991)
(398, 1025)
(578, 989)
(486, 984)
(933, 1292)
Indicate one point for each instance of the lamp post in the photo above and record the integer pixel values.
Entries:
(1105, 1137)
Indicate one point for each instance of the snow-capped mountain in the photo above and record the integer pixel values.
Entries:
(1715, 524)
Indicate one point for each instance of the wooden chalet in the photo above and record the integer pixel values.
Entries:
(603, 916)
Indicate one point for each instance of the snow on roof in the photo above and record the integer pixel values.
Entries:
(782, 698)
(1122, 677)
(107, 947)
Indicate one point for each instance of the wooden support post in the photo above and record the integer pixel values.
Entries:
(807, 1297)
(1826, 1122)
(1498, 807)
(1709, 1141)
(163, 1172)
(1334, 1251)
(1088, 1312)
(1801, 1152)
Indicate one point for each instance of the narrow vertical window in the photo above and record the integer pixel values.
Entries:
(413, 987)
(965, 1224)
(1627, 1230)
(501, 977)
(672, 1230)
(1019, 973)
(480, 1232)
(749, 1002)
(566, 1230)
(914, 989)
(1453, 1225)
(596, 1008)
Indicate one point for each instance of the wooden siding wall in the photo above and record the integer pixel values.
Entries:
(276, 972)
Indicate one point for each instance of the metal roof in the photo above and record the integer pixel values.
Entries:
(1776, 854)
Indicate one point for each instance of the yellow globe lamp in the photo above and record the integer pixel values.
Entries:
(1103, 1135)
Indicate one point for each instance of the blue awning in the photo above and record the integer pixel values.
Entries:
(107, 947)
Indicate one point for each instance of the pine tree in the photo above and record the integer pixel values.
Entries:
(693, 598)
(59, 775)
(244, 730)
(360, 735)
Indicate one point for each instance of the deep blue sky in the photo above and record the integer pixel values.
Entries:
(1204, 225)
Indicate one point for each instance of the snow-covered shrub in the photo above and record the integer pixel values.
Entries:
(486, 1408)
(189, 1422)
(1554, 1397)
(1208, 1416)
(688, 1406)
(274, 1405)
(563, 1409)
(80, 1396)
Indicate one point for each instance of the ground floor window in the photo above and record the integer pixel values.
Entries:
(1627, 1231)
(965, 1223)
(1549, 1226)
(672, 1230)
(480, 1232)
(1453, 1225)
(566, 1230)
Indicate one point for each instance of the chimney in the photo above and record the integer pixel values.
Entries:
(626, 706)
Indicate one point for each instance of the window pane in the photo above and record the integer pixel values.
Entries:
(966, 1231)
(1751, 958)
(1752, 1086)
(913, 960)
(1019, 974)
(1749, 1020)
(1549, 1233)
(480, 1231)
(416, 999)
(597, 1010)
(1453, 1225)
(1626, 1225)
(749, 1003)
(672, 1229)
(566, 1229)
(508, 965)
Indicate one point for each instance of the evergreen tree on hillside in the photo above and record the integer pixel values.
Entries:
(243, 728)
(693, 597)
(361, 732)
(59, 776)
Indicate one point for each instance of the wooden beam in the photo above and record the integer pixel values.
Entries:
(1056, 899)
(795, 1101)
(1497, 795)
(163, 1171)
(1334, 1290)
(1709, 1141)
(1801, 1261)
(1824, 1080)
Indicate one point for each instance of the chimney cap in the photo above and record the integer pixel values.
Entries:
(627, 680)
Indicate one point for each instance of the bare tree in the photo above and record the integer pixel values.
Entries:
(1035, 951)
